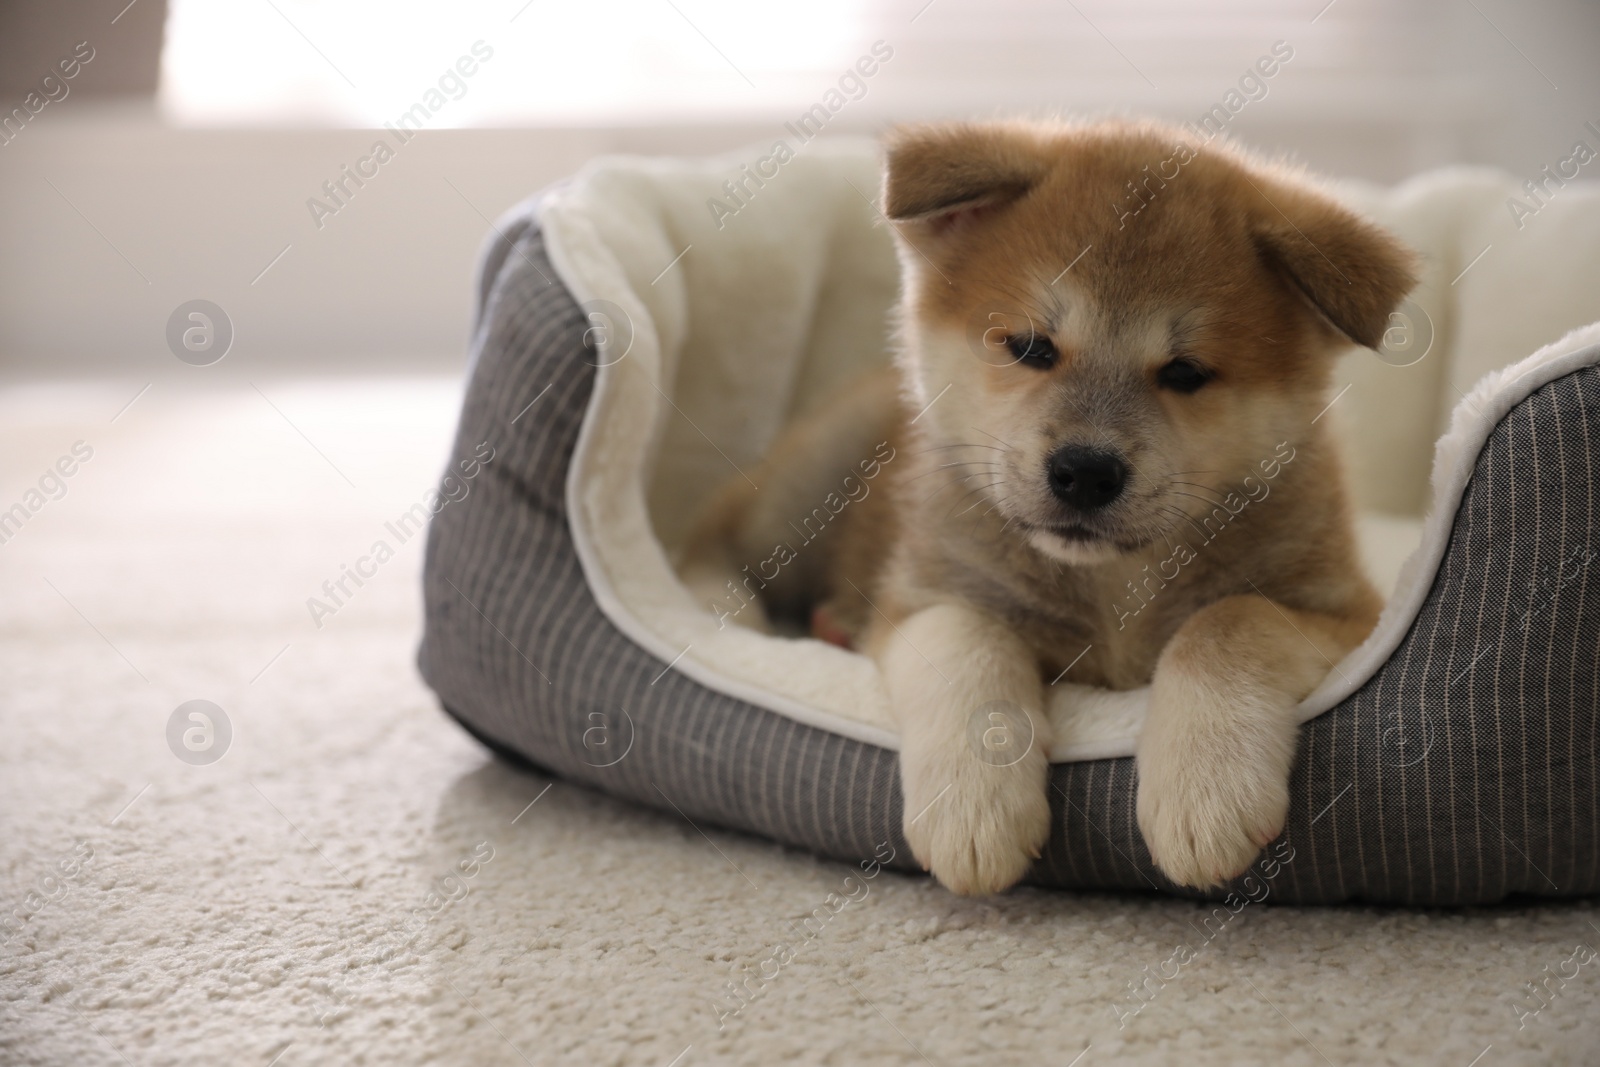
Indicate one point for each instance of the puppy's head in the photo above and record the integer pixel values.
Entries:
(1114, 325)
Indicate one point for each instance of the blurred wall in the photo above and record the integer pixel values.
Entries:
(36, 34)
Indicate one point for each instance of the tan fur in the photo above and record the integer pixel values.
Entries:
(966, 582)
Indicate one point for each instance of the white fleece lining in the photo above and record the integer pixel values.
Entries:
(569, 241)
(605, 496)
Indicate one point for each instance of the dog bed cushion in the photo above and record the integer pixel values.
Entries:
(635, 347)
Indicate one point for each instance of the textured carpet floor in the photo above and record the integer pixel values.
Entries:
(355, 881)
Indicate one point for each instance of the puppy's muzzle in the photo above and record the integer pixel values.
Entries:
(1086, 479)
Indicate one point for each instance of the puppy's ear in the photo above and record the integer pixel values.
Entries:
(942, 175)
(1351, 270)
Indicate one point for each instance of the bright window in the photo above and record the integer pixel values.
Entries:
(365, 62)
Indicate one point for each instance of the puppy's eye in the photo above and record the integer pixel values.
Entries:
(1183, 375)
(1034, 350)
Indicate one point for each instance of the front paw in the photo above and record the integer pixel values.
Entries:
(977, 824)
(1210, 799)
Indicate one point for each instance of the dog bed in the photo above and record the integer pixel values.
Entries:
(645, 329)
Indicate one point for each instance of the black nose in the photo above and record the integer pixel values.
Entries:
(1086, 478)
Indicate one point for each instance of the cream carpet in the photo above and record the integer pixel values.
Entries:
(356, 882)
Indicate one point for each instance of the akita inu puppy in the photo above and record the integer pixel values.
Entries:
(1114, 345)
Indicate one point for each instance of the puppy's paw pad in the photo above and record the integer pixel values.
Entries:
(1204, 834)
(980, 832)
